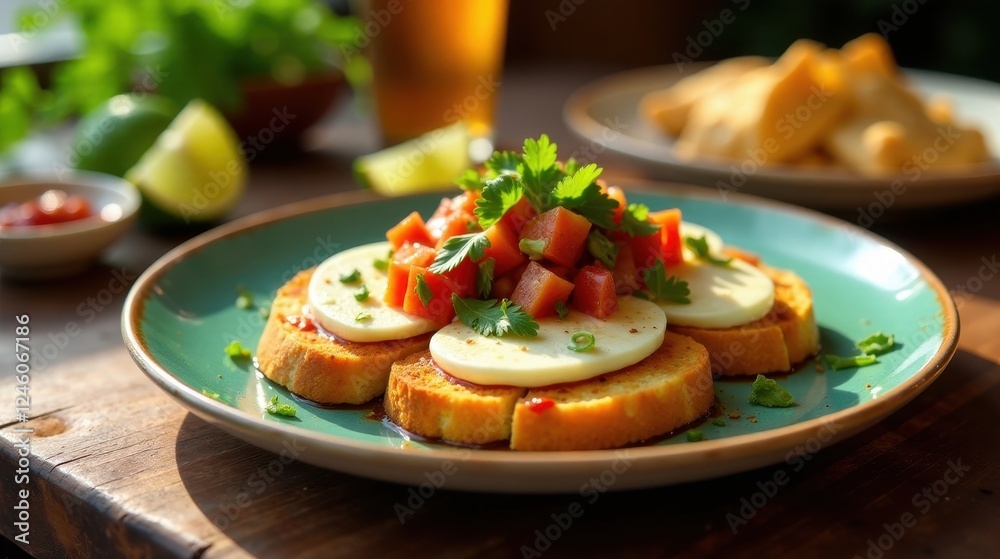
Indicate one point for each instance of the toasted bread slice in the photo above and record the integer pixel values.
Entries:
(668, 389)
(787, 335)
(425, 400)
(319, 367)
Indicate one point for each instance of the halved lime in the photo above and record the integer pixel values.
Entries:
(195, 172)
(424, 164)
(112, 137)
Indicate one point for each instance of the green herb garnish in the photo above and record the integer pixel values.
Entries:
(423, 290)
(561, 310)
(244, 298)
(499, 195)
(699, 246)
(484, 277)
(213, 395)
(362, 294)
(353, 277)
(635, 221)
(581, 340)
(503, 163)
(877, 344)
(719, 422)
(469, 180)
(532, 247)
(579, 192)
(492, 318)
(665, 288)
(767, 392)
(236, 350)
(382, 264)
(363, 316)
(837, 362)
(274, 408)
(601, 248)
(455, 250)
(695, 435)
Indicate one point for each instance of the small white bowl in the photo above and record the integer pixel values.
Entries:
(62, 249)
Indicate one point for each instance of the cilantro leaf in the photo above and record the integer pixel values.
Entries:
(767, 392)
(469, 180)
(423, 290)
(499, 195)
(362, 294)
(491, 318)
(572, 187)
(455, 250)
(601, 248)
(235, 350)
(503, 163)
(699, 246)
(274, 408)
(539, 155)
(877, 344)
(665, 288)
(382, 264)
(634, 221)
(539, 172)
(571, 166)
(837, 362)
(484, 277)
(594, 205)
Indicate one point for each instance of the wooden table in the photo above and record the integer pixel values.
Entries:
(119, 469)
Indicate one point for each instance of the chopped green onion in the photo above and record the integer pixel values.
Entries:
(837, 362)
(532, 247)
(767, 392)
(877, 344)
(363, 316)
(719, 422)
(274, 408)
(212, 395)
(695, 435)
(236, 350)
(581, 340)
(353, 277)
(361, 295)
(423, 290)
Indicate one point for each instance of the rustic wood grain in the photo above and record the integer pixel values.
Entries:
(120, 470)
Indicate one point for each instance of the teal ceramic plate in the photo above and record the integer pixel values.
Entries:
(181, 314)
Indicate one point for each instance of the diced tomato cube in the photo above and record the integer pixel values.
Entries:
(503, 287)
(539, 290)
(435, 225)
(503, 248)
(564, 233)
(457, 223)
(399, 270)
(595, 292)
(466, 201)
(439, 307)
(670, 235)
(646, 250)
(464, 277)
(625, 273)
(518, 216)
(410, 230)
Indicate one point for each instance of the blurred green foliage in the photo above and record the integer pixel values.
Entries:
(183, 49)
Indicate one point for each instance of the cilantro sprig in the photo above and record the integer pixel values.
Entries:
(455, 249)
(872, 346)
(635, 221)
(666, 288)
(493, 318)
(699, 246)
(499, 195)
(484, 277)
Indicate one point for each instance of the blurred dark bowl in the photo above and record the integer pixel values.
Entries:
(278, 114)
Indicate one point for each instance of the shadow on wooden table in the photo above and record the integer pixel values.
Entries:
(838, 501)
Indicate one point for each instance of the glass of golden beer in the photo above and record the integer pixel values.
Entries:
(437, 62)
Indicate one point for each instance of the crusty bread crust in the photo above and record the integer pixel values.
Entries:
(668, 389)
(318, 367)
(787, 335)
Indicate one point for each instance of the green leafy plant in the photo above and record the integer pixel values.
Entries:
(183, 49)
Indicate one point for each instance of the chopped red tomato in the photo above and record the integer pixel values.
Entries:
(539, 405)
(438, 306)
(539, 290)
(518, 216)
(410, 230)
(670, 235)
(53, 206)
(595, 292)
(503, 248)
(617, 194)
(563, 232)
(458, 222)
(399, 270)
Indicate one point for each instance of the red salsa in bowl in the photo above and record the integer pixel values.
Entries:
(52, 207)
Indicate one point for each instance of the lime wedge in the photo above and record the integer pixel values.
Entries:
(111, 138)
(195, 171)
(424, 164)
